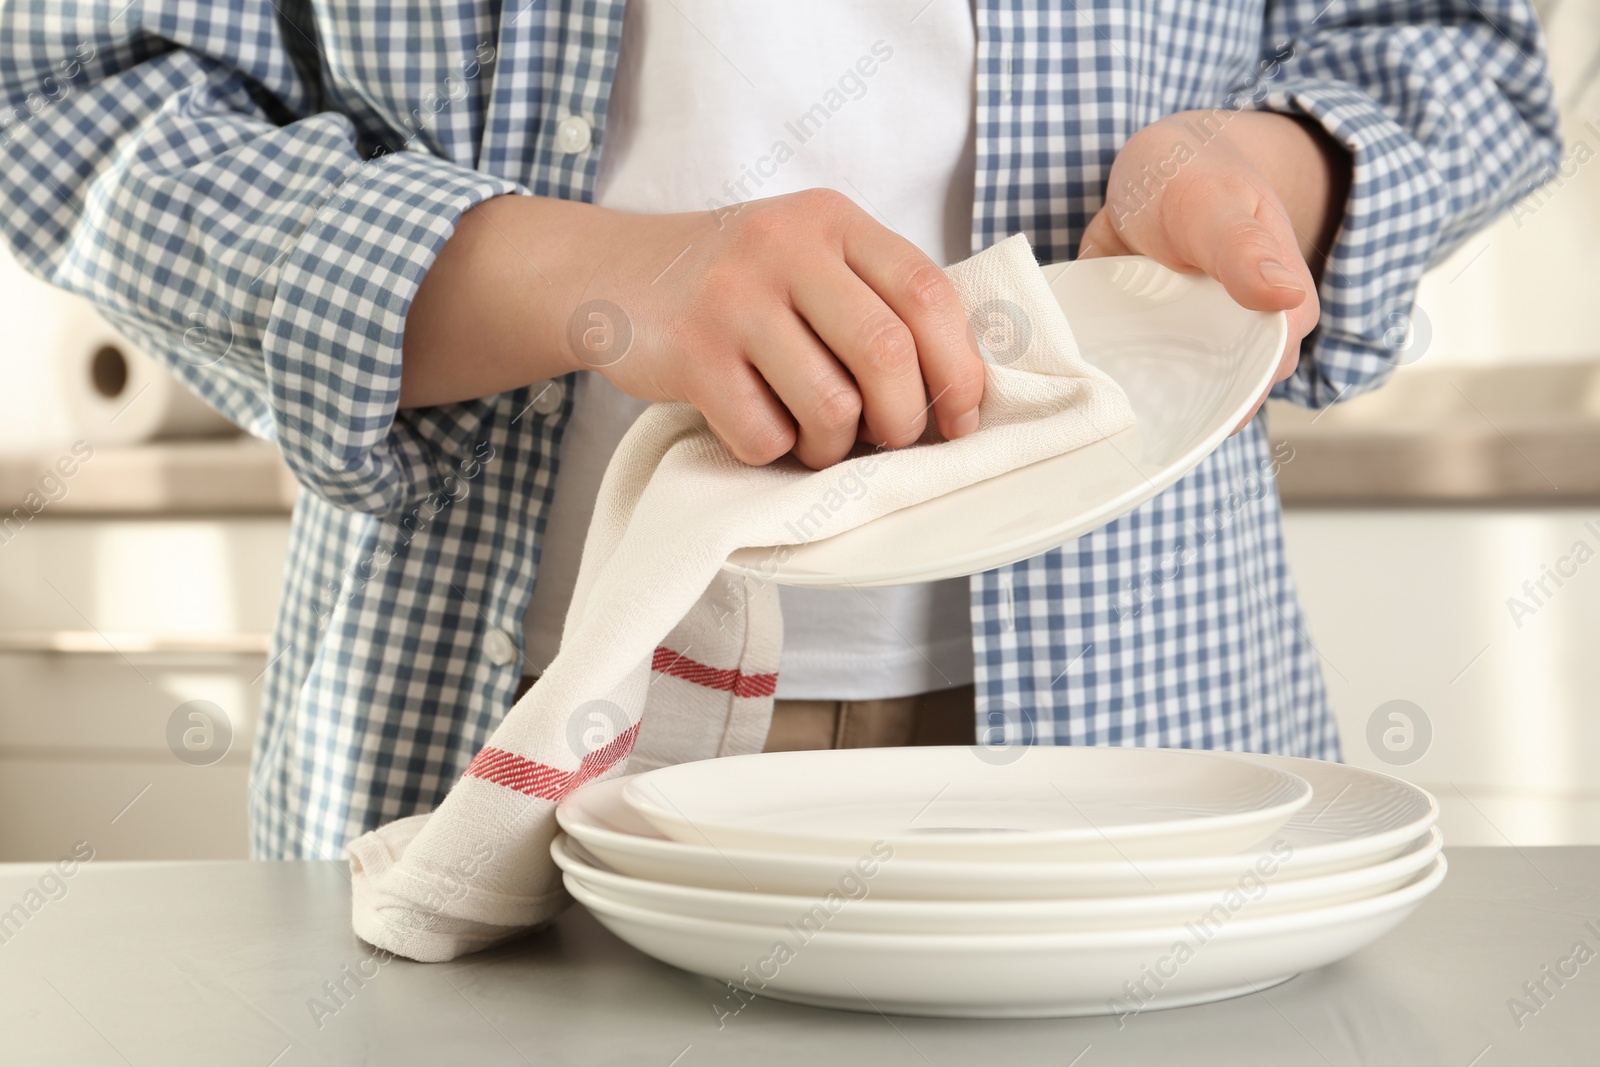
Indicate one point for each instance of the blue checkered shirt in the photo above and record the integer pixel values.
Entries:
(254, 190)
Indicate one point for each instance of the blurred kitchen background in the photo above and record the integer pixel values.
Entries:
(135, 606)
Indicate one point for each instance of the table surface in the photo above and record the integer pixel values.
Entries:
(230, 963)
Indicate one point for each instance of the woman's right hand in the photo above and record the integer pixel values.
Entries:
(795, 323)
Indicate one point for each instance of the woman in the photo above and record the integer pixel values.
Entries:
(441, 253)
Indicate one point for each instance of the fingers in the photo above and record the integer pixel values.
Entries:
(1251, 414)
(1229, 228)
(741, 410)
(879, 350)
(821, 396)
(920, 295)
(811, 327)
(1226, 229)
(1231, 234)
(1100, 238)
(1287, 362)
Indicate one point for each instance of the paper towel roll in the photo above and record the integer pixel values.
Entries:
(117, 395)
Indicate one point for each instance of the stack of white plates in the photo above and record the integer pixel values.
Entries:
(966, 881)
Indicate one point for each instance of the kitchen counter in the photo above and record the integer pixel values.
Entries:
(216, 476)
(1459, 436)
(1520, 435)
(239, 963)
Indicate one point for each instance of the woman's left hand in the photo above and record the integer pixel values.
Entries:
(1247, 197)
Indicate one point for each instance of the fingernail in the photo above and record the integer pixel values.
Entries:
(965, 423)
(1276, 274)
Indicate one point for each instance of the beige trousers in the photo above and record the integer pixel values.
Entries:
(940, 718)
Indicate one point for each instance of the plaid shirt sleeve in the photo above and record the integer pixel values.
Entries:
(168, 162)
(1448, 115)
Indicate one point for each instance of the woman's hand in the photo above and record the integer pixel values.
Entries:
(1248, 197)
(795, 323)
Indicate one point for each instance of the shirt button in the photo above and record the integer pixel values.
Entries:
(573, 134)
(499, 647)
(548, 400)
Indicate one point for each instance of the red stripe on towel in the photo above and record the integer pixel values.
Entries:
(678, 665)
(535, 779)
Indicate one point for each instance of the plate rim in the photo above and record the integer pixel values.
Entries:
(1114, 835)
(573, 810)
(1415, 891)
(1422, 856)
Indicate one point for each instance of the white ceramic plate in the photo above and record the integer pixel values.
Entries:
(1192, 363)
(1355, 818)
(1012, 975)
(1045, 803)
(852, 905)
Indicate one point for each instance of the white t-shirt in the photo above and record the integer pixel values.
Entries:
(720, 101)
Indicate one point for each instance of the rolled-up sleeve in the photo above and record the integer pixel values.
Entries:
(169, 162)
(1448, 114)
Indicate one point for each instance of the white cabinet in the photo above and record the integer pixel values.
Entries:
(1416, 605)
(108, 629)
(1403, 605)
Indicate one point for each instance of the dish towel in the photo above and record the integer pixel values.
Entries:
(667, 658)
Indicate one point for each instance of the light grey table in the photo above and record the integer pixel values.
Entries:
(231, 963)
